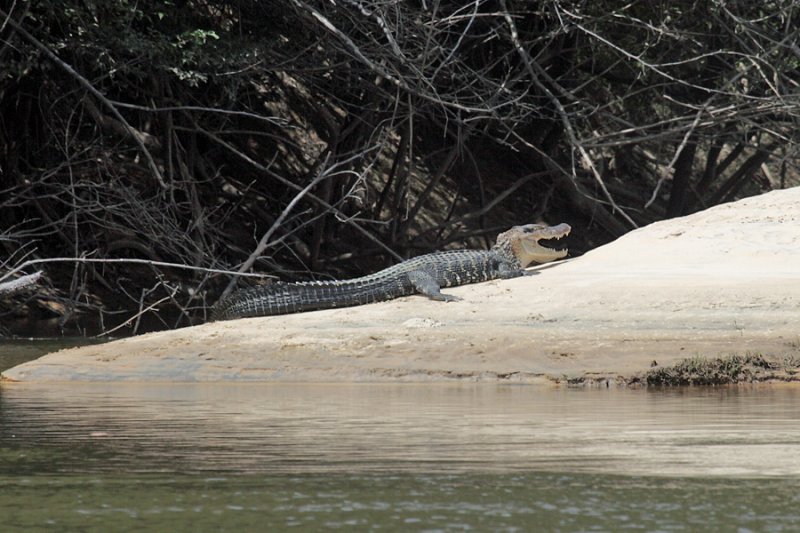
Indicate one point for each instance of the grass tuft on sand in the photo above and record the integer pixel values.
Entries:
(748, 368)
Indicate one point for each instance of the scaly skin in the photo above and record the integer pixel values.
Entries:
(426, 274)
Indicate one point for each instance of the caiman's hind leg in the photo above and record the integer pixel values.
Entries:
(426, 284)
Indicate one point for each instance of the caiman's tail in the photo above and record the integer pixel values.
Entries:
(284, 298)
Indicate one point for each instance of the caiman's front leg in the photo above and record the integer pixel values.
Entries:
(425, 284)
(506, 270)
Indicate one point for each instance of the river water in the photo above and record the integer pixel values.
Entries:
(410, 457)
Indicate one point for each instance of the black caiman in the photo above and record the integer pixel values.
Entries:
(426, 274)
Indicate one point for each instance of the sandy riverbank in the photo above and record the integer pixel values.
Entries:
(722, 281)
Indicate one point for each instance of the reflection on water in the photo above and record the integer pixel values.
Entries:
(447, 428)
(450, 457)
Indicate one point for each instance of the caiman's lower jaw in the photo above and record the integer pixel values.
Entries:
(533, 252)
(536, 253)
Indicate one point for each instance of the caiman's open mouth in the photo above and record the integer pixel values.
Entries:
(534, 251)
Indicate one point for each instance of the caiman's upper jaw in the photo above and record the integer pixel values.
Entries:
(530, 250)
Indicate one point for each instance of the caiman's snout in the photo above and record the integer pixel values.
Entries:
(547, 232)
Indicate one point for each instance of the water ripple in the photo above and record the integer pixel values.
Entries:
(443, 428)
